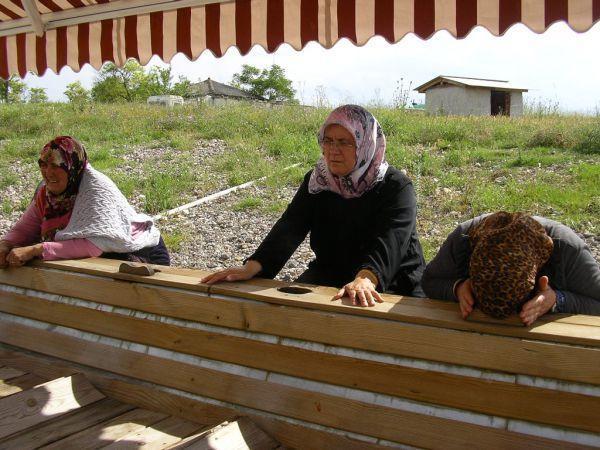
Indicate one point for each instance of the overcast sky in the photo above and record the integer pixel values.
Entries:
(559, 66)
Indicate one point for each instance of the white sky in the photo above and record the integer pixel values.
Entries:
(559, 66)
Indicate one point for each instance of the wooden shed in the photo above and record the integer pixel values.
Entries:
(463, 96)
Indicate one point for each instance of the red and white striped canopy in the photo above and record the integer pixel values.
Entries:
(36, 35)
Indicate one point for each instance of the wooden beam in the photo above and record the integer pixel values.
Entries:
(385, 336)
(34, 15)
(6, 373)
(19, 384)
(45, 402)
(505, 399)
(421, 311)
(98, 12)
(323, 409)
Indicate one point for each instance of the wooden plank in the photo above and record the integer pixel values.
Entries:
(105, 433)
(290, 435)
(158, 436)
(241, 434)
(382, 422)
(6, 373)
(66, 425)
(49, 400)
(403, 309)
(451, 346)
(34, 365)
(486, 396)
(19, 384)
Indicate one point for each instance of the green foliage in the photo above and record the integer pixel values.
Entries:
(38, 95)
(79, 97)
(247, 203)
(173, 240)
(12, 90)
(270, 84)
(131, 83)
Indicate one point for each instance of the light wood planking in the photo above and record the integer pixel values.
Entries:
(6, 373)
(19, 384)
(45, 402)
(486, 396)
(288, 434)
(382, 422)
(85, 417)
(165, 433)
(585, 331)
(241, 434)
(105, 433)
(385, 336)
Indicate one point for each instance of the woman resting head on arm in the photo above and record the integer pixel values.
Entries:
(78, 212)
(361, 215)
(508, 263)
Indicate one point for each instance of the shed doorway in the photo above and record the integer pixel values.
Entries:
(500, 103)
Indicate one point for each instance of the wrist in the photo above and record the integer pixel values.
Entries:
(559, 302)
(38, 249)
(253, 267)
(367, 274)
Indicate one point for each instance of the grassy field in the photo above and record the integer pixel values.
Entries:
(461, 167)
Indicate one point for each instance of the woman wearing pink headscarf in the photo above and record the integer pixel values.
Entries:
(78, 212)
(361, 215)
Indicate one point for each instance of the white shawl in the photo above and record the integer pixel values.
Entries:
(103, 215)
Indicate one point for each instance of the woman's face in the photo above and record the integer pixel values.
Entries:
(55, 177)
(339, 149)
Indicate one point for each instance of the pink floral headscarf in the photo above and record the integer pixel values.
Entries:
(371, 165)
(56, 209)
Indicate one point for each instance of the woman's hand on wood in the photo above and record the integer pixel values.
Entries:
(240, 273)
(362, 291)
(466, 298)
(20, 255)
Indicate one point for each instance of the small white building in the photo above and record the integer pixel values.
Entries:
(462, 96)
(165, 100)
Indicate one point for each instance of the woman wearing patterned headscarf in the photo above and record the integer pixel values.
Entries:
(361, 215)
(77, 212)
(508, 263)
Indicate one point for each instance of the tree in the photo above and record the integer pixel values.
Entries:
(37, 95)
(115, 84)
(132, 83)
(12, 90)
(78, 96)
(271, 83)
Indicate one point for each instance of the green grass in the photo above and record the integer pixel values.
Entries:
(460, 166)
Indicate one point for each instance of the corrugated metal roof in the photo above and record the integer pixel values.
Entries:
(501, 85)
(216, 89)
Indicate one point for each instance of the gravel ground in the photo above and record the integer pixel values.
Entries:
(215, 234)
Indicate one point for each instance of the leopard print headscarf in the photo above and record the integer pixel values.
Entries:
(508, 251)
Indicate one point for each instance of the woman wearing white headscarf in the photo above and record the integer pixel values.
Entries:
(361, 215)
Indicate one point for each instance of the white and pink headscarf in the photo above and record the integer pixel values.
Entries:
(371, 165)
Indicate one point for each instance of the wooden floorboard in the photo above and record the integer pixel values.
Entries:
(81, 419)
(19, 384)
(107, 432)
(44, 402)
(6, 373)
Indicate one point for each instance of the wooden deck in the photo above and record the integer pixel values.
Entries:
(310, 372)
(70, 413)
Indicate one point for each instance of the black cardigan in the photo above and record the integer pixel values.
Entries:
(376, 231)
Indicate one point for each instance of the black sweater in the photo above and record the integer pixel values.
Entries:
(570, 269)
(376, 231)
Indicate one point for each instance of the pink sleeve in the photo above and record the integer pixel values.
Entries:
(70, 249)
(27, 230)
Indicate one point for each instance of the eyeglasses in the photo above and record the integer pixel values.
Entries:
(340, 145)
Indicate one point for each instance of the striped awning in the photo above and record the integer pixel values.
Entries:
(36, 35)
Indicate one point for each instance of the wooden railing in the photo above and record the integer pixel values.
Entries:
(408, 371)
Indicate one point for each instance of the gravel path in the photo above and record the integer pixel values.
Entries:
(215, 235)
